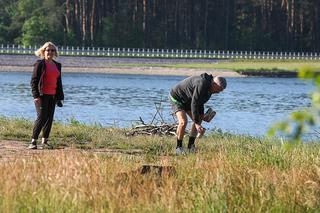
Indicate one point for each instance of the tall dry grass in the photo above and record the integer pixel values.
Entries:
(80, 181)
(229, 174)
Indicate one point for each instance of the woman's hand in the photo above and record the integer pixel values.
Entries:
(60, 103)
(37, 101)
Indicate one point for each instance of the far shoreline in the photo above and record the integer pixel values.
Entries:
(149, 66)
(131, 70)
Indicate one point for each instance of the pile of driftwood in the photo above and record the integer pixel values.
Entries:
(156, 127)
(152, 129)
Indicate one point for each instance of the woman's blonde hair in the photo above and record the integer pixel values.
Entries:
(40, 52)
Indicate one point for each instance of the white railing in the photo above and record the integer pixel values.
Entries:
(164, 53)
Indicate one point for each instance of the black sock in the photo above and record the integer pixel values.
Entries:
(191, 141)
(179, 143)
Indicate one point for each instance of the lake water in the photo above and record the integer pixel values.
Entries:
(247, 106)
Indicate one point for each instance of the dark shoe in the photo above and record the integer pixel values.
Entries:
(46, 145)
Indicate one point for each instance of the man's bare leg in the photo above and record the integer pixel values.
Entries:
(182, 124)
(193, 133)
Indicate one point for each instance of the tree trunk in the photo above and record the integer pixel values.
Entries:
(292, 15)
(316, 28)
(84, 22)
(144, 24)
(134, 13)
(77, 13)
(144, 15)
(228, 12)
(67, 17)
(192, 23)
(92, 18)
(165, 23)
(176, 22)
(205, 25)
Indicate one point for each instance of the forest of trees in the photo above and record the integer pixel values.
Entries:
(259, 25)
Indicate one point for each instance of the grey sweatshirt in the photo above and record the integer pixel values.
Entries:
(193, 93)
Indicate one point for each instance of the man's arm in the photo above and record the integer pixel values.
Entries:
(197, 108)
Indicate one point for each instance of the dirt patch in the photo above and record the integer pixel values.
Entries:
(13, 149)
(10, 149)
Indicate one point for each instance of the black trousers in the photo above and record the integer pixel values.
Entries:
(45, 113)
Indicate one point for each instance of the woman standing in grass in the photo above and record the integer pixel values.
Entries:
(46, 86)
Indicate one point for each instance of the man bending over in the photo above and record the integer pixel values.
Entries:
(188, 98)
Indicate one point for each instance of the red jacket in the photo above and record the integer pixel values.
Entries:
(37, 80)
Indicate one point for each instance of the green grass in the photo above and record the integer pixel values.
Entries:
(238, 65)
(230, 173)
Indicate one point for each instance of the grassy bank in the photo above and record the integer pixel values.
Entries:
(242, 65)
(230, 173)
(257, 65)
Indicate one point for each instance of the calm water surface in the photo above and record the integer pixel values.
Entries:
(247, 106)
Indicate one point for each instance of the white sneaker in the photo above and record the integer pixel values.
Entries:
(179, 151)
(33, 144)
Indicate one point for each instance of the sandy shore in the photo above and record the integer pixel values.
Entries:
(129, 70)
(23, 63)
